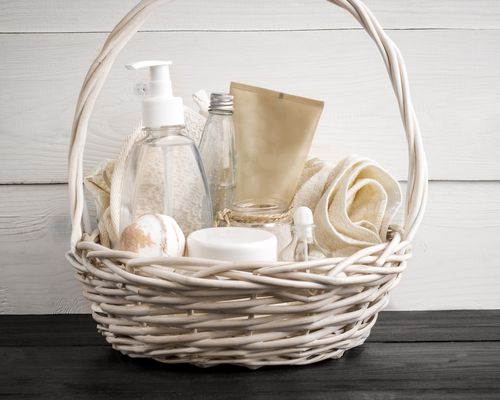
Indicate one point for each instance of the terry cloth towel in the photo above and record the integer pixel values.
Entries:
(98, 183)
(353, 202)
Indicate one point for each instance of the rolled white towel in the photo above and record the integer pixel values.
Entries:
(353, 202)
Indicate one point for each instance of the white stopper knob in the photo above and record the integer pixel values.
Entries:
(303, 216)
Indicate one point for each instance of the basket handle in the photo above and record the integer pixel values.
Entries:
(416, 195)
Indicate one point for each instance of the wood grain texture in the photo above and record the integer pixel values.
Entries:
(391, 327)
(62, 356)
(101, 15)
(453, 266)
(34, 275)
(456, 94)
(374, 371)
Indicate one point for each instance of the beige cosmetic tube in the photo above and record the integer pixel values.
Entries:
(274, 132)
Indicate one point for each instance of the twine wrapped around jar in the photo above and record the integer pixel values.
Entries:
(230, 217)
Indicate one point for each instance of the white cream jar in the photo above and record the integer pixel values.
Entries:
(233, 244)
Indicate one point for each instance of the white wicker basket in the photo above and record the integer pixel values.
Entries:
(207, 312)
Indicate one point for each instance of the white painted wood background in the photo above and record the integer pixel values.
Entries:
(452, 49)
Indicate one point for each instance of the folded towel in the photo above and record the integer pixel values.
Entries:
(353, 202)
(98, 183)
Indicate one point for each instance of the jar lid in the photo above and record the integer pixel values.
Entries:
(236, 244)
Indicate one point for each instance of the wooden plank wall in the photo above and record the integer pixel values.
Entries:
(452, 49)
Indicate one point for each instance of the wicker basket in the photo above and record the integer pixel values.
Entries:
(184, 310)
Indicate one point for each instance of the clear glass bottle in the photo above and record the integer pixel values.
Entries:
(164, 173)
(217, 151)
(303, 246)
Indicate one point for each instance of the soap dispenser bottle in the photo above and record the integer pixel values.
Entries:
(164, 173)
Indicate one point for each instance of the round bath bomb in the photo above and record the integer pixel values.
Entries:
(153, 235)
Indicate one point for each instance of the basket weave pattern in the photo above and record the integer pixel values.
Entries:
(207, 312)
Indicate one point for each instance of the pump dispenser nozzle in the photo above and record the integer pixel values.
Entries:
(160, 107)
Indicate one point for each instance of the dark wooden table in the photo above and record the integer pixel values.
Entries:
(420, 355)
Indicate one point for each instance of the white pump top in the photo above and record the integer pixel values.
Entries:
(160, 107)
